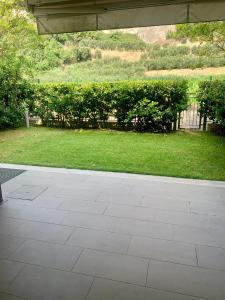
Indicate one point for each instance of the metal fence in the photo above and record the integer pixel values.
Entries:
(190, 118)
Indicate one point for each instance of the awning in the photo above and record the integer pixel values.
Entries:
(58, 16)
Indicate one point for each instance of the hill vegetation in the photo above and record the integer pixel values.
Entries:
(26, 57)
(101, 56)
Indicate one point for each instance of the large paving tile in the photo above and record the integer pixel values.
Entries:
(27, 192)
(8, 245)
(106, 184)
(9, 225)
(9, 186)
(39, 283)
(217, 221)
(182, 191)
(25, 212)
(92, 221)
(103, 289)
(209, 193)
(83, 206)
(143, 228)
(105, 181)
(161, 190)
(43, 232)
(79, 193)
(182, 218)
(211, 257)
(55, 256)
(120, 197)
(163, 250)
(8, 271)
(160, 202)
(100, 240)
(47, 201)
(133, 212)
(113, 266)
(188, 280)
(201, 236)
(50, 178)
(206, 193)
(42, 201)
(209, 207)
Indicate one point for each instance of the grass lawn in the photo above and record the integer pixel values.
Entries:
(193, 155)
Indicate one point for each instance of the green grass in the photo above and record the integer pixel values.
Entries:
(193, 155)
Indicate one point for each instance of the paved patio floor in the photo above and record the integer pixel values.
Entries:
(80, 235)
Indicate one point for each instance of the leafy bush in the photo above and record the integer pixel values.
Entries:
(146, 116)
(211, 97)
(13, 91)
(82, 54)
(91, 105)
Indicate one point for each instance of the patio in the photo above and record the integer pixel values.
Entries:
(70, 234)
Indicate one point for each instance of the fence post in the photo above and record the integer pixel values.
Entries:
(204, 123)
(1, 198)
(27, 119)
(175, 125)
(200, 121)
(179, 116)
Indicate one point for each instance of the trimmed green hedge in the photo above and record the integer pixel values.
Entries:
(138, 105)
(211, 96)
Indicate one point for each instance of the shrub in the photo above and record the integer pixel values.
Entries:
(146, 115)
(13, 92)
(211, 97)
(82, 54)
(91, 105)
(68, 56)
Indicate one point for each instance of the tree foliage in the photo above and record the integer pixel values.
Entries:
(210, 32)
(14, 92)
(19, 39)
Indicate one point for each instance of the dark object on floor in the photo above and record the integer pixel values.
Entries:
(6, 175)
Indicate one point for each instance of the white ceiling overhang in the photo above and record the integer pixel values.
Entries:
(58, 16)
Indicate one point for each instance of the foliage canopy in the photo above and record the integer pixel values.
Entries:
(210, 32)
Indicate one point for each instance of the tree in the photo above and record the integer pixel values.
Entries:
(19, 40)
(211, 32)
(16, 28)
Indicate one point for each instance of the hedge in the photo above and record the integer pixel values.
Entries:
(139, 105)
(211, 96)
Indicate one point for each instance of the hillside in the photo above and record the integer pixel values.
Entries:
(138, 53)
(154, 34)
